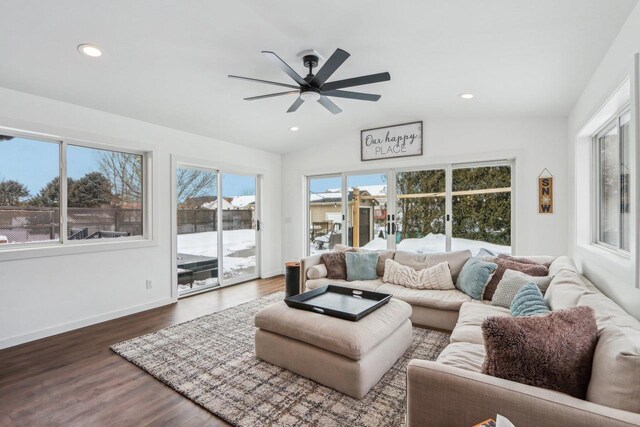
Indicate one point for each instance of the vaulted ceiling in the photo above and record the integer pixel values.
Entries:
(166, 62)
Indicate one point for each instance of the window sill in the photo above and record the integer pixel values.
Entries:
(58, 249)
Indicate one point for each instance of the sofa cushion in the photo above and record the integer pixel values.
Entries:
(554, 351)
(615, 375)
(475, 276)
(509, 263)
(444, 300)
(512, 282)
(317, 271)
(361, 265)
(350, 339)
(565, 290)
(463, 355)
(528, 302)
(336, 265)
(419, 261)
(436, 277)
(469, 325)
(562, 263)
(365, 285)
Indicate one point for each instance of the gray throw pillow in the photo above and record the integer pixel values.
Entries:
(554, 351)
(474, 277)
(512, 281)
(361, 265)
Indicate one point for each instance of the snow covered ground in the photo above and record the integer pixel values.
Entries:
(431, 243)
(239, 255)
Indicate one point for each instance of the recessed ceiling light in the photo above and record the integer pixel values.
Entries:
(90, 50)
(294, 128)
(467, 95)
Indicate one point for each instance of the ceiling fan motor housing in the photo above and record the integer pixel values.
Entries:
(310, 93)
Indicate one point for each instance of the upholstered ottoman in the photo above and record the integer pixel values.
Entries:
(350, 357)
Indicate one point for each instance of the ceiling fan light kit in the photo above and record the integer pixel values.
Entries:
(314, 87)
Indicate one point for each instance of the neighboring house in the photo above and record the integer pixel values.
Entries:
(214, 205)
(326, 210)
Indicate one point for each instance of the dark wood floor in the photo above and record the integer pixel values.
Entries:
(74, 379)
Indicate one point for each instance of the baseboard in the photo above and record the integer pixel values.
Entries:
(76, 324)
(272, 274)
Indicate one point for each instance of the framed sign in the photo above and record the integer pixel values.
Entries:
(404, 140)
(545, 193)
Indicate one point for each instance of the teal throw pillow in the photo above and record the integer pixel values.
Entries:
(475, 276)
(361, 265)
(529, 302)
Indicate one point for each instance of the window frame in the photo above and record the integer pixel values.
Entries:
(64, 246)
(612, 123)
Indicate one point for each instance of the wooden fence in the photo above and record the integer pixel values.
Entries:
(31, 224)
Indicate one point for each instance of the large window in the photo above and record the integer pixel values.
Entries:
(481, 208)
(451, 207)
(612, 186)
(29, 190)
(101, 198)
(325, 213)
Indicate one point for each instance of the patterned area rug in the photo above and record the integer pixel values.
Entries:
(211, 361)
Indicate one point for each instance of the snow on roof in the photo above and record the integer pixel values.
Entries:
(214, 205)
(379, 190)
(318, 197)
(240, 202)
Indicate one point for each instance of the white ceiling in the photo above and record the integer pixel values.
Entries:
(166, 62)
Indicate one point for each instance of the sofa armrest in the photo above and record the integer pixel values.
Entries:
(442, 395)
(305, 263)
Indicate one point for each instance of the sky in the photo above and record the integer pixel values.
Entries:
(35, 163)
(320, 185)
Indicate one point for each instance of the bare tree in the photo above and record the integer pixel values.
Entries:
(192, 182)
(124, 172)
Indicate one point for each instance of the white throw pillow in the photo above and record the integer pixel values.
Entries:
(318, 271)
(436, 277)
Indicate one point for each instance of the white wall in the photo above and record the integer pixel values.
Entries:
(535, 143)
(614, 275)
(43, 296)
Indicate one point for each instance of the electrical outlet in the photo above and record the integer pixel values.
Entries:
(149, 284)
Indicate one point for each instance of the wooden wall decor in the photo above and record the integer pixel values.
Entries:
(545, 192)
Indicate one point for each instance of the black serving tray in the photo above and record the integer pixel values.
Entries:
(339, 301)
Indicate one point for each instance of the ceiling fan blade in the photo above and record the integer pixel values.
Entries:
(262, 81)
(285, 67)
(296, 104)
(271, 95)
(329, 105)
(333, 63)
(351, 95)
(357, 81)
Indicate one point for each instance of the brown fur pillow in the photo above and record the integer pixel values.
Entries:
(554, 351)
(509, 263)
(336, 264)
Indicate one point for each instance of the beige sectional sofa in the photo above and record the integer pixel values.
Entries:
(452, 390)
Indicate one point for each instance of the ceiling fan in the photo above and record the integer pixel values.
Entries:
(314, 87)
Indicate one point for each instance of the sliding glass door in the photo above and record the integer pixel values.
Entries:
(197, 225)
(481, 208)
(324, 213)
(217, 224)
(451, 207)
(240, 228)
(420, 209)
(367, 210)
